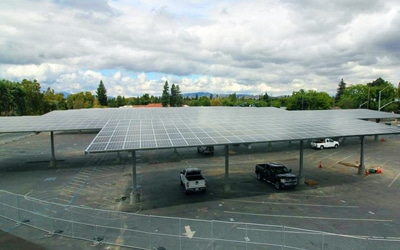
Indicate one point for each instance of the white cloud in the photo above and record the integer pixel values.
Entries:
(216, 46)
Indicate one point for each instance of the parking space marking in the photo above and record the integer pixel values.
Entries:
(295, 204)
(394, 180)
(308, 217)
(351, 155)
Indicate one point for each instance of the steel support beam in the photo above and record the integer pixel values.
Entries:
(135, 195)
(361, 167)
(227, 186)
(301, 178)
(53, 161)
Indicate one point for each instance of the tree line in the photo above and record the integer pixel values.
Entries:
(27, 98)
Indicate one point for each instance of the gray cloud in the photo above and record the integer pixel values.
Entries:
(86, 5)
(241, 46)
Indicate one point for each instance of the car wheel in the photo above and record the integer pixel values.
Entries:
(277, 186)
(258, 176)
(336, 146)
(322, 147)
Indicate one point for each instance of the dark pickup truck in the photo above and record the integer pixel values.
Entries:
(205, 150)
(276, 174)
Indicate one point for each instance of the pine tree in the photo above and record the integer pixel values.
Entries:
(165, 97)
(340, 90)
(102, 94)
(179, 97)
(173, 97)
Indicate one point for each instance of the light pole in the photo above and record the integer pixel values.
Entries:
(379, 102)
(372, 100)
(362, 104)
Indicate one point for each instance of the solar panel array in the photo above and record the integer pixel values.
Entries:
(183, 127)
(151, 128)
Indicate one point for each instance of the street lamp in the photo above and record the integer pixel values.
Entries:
(395, 100)
(362, 104)
(379, 103)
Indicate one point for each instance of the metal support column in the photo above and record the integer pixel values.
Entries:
(227, 186)
(377, 136)
(53, 161)
(135, 195)
(119, 158)
(361, 168)
(175, 156)
(301, 160)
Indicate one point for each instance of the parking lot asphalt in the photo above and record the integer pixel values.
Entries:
(335, 200)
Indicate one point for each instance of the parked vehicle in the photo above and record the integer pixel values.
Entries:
(324, 143)
(276, 174)
(192, 180)
(205, 150)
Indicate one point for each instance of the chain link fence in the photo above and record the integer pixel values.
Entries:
(152, 232)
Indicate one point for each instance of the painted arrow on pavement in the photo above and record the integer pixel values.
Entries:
(189, 233)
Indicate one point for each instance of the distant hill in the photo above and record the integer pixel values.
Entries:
(200, 94)
(193, 95)
(65, 94)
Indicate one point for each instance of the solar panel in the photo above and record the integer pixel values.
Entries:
(151, 128)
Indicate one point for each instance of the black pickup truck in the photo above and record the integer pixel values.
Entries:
(205, 150)
(276, 174)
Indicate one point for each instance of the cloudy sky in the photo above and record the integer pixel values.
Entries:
(228, 46)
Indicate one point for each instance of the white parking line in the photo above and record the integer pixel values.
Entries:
(394, 180)
(307, 217)
(295, 204)
(350, 156)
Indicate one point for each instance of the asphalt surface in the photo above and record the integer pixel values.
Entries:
(335, 200)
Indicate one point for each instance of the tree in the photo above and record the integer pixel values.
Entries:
(398, 96)
(165, 97)
(276, 103)
(202, 101)
(34, 104)
(179, 97)
(102, 94)
(266, 98)
(53, 101)
(215, 102)
(378, 82)
(176, 99)
(145, 99)
(6, 98)
(120, 101)
(369, 96)
(340, 90)
(173, 98)
(354, 96)
(233, 99)
(80, 100)
(311, 100)
(18, 93)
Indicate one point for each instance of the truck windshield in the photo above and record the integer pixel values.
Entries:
(281, 170)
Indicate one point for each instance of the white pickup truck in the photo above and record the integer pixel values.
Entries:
(192, 180)
(324, 143)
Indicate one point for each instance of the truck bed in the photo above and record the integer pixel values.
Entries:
(194, 177)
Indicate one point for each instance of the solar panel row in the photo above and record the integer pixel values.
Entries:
(219, 126)
(150, 128)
